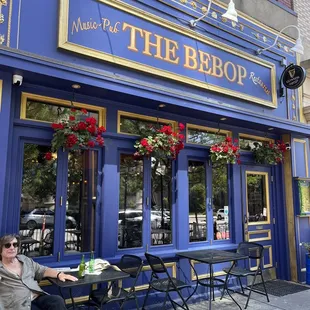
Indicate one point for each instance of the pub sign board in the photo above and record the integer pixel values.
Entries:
(293, 76)
(120, 33)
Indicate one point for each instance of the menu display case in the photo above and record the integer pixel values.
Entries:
(302, 186)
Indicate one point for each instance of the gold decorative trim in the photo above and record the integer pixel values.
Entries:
(263, 231)
(269, 247)
(204, 275)
(206, 129)
(305, 155)
(8, 39)
(76, 48)
(56, 101)
(266, 175)
(142, 117)
(1, 87)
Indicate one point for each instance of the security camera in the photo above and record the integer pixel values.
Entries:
(287, 146)
(17, 80)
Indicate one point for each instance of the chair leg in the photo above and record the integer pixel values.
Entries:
(247, 302)
(264, 286)
(172, 302)
(241, 286)
(225, 285)
(165, 301)
(183, 300)
(146, 296)
(137, 302)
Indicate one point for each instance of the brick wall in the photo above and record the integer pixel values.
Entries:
(288, 3)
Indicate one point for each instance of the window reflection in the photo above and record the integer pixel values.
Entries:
(81, 201)
(257, 197)
(161, 201)
(37, 201)
(221, 210)
(130, 216)
(197, 201)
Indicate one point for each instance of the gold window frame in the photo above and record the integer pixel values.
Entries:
(56, 101)
(221, 132)
(161, 121)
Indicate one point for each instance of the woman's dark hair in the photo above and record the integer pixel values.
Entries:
(7, 239)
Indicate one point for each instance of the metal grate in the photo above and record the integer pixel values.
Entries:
(281, 288)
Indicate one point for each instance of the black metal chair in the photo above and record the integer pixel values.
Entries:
(129, 264)
(164, 285)
(253, 251)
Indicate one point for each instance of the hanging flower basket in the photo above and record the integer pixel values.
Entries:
(269, 152)
(160, 142)
(226, 152)
(76, 132)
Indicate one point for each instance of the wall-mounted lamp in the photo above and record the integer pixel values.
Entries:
(231, 14)
(297, 48)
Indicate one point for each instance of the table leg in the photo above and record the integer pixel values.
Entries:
(211, 284)
(72, 299)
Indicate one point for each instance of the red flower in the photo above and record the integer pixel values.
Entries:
(81, 126)
(100, 130)
(57, 126)
(100, 140)
(71, 140)
(48, 156)
(84, 111)
(91, 143)
(144, 142)
(181, 137)
(73, 110)
(91, 120)
(72, 118)
(91, 129)
(166, 130)
(181, 126)
(228, 139)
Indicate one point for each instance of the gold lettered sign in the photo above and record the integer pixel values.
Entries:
(122, 34)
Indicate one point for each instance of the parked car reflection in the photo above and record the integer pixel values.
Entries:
(34, 219)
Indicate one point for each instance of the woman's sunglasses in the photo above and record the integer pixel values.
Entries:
(8, 245)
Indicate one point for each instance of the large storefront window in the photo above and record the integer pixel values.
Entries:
(221, 225)
(130, 214)
(161, 201)
(197, 201)
(41, 215)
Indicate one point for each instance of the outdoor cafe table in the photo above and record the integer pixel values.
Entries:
(212, 257)
(107, 275)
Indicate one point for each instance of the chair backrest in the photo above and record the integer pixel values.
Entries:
(156, 263)
(131, 264)
(251, 249)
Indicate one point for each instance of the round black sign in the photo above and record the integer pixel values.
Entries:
(293, 76)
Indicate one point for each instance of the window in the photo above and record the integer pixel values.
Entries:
(247, 142)
(220, 204)
(204, 135)
(45, 109)
(135, 124)
(130, 212)
(197, 201)
(161, 201)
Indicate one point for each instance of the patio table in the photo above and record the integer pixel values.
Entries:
(211, 257)
(107, 275)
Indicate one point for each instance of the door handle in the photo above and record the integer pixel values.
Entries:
(245, 219)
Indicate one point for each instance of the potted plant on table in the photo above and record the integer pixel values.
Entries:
(269, 152)
(225, 152)
(306, 246)
(160, 142)
(76, 132)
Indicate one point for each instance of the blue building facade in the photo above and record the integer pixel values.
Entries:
(138, 64)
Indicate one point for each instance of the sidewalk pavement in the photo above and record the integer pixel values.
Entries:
(297, 301)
